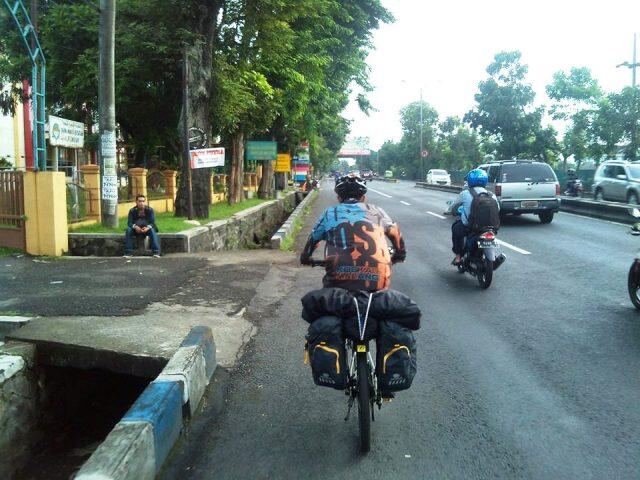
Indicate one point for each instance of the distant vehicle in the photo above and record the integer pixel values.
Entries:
(367, 174)
(438, 177)
(388, 174)
(524, 186)
(617, 180)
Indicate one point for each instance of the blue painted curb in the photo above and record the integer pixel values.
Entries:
(161, 405)
(203, 336)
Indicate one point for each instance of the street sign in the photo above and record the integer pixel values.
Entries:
(261, 151)
(65, 133)
(424, 153)
(207, 157)
(283, 163)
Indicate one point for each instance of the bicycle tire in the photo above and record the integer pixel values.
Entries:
(364, 402)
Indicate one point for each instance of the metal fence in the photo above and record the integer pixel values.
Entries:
(12, 209)
(156, 185)
(79, 203)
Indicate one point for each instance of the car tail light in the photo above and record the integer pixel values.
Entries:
(488, 236)
(557, 189)
(498, 190)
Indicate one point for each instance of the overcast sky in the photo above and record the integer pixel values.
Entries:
(445, 46)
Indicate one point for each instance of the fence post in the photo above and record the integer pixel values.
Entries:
(91, 180)
(138, 177)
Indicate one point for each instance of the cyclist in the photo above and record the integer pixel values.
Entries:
(355, 233)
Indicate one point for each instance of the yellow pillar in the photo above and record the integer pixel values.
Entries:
(91, 183)
(170, 182)
(45, 205)
(138, 178)
(212, 191)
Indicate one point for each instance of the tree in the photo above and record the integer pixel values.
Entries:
(504, 110)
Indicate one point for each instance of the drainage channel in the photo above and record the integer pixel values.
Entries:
(57, 416)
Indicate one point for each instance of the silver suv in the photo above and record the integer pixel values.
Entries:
(617, 180)
(524, 186)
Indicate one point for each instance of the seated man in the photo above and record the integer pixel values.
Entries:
(141, 223)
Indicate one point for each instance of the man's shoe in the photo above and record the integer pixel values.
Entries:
(156, 255)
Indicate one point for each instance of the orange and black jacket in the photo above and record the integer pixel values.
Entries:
(356, 247)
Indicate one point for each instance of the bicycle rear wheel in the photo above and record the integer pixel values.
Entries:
(364, 402)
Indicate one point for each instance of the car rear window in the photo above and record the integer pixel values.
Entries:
(439, 172)
(523, 172)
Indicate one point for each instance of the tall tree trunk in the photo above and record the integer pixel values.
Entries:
(200, 62)
(266, 189)
(236, 179)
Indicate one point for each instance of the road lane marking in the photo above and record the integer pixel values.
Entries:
(436, 215)
(379, 193)
(512, 247)
(405, 203)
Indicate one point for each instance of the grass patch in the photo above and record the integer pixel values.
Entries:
(15, 313)
(6, 251)
(168, 223)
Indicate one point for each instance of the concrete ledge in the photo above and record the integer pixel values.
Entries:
(128, 453)
(287, 226)
(443, 188)
(139, 444)
(245, 228)
(9, 324)
(388, 180)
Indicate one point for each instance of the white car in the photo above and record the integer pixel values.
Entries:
(438, 177)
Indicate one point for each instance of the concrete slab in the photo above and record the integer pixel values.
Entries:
(10, 323)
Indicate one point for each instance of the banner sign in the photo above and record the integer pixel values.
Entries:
(354, 152)
(109, 171)
(65, 133)
(283, 163)
(261, 151)
(207, 157)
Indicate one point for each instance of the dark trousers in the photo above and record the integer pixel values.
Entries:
(131, 234)
(459, 231)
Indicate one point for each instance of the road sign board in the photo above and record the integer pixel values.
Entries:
(424, 153)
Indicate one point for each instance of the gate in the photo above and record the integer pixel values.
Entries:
(12, 210)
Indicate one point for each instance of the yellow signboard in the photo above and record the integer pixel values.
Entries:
(283, 163)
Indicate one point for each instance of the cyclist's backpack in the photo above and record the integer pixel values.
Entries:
(325, 352)
(396, 361)
(485, 211)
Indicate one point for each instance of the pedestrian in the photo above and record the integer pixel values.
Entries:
(141, 223)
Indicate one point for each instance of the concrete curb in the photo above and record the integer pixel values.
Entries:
(287, 226)
(139, 444)
(388, 180)
(9, 324)
(612, 211)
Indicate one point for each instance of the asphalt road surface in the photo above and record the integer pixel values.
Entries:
(536, 377)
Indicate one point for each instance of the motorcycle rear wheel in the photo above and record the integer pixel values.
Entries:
(633, 284)
(485, 272)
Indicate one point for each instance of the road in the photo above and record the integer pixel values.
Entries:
(536, 377)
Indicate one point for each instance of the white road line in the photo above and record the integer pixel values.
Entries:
(379, 193)
(436, 215)
(513, 247)
(405, 203)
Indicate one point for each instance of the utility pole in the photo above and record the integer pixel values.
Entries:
(185, 126)
(421, 142)
(107, 124)
(633, 66)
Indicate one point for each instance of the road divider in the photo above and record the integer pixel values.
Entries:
(616, 212)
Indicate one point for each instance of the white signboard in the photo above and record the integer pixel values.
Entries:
(66, 133)
(109, 174)
(207, 157)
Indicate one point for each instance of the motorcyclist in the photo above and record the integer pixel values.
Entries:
(355, 233)
(476, 179)
(572, 182)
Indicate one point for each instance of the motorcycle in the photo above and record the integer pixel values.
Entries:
(481, 257)
(574, 188)
(633, 279)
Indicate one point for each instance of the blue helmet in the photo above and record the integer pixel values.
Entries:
(477, 178)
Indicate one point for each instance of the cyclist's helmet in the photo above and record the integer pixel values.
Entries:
(477, 178)
(350, 186)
